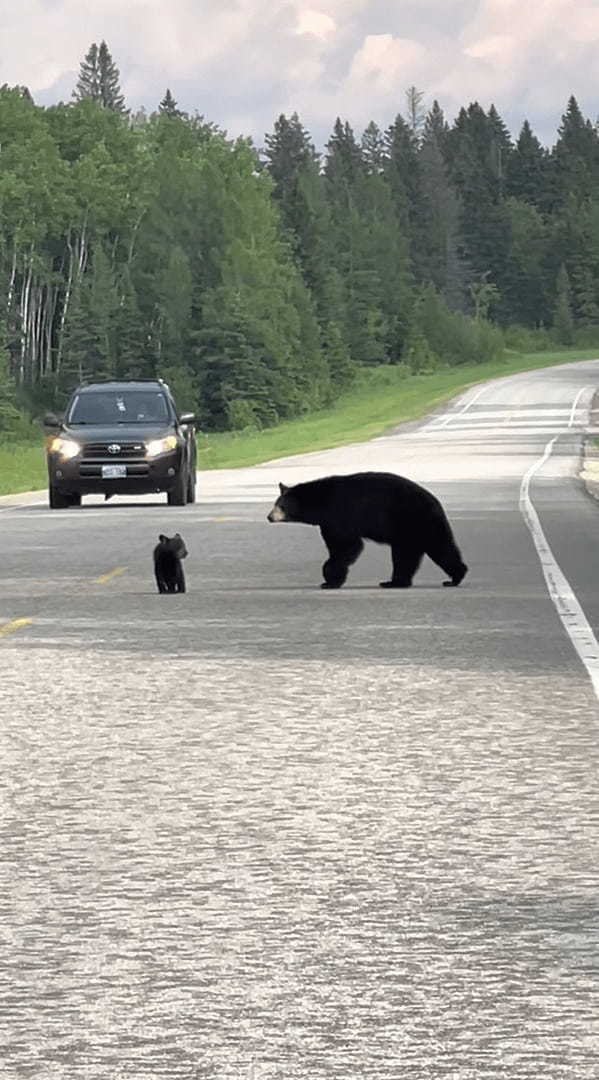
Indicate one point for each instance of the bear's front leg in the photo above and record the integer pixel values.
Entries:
(334, 573)
(343, 551)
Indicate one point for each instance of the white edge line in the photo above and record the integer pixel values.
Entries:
(454, 415)
(573, 618)
(574, 408)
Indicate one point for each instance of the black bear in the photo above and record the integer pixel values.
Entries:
(374, 506)
(167, 563)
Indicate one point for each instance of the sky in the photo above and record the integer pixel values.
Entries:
(241, 63)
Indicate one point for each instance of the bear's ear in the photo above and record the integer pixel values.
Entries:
(163, 539)
(283, 488)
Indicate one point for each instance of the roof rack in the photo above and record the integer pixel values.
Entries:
(100, 382)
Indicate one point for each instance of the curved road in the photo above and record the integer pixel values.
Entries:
(264, 831)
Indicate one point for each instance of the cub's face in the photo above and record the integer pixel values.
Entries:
(285, 508)
(174, 544)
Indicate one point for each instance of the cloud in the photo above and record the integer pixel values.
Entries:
(241, 62)
(317, 23)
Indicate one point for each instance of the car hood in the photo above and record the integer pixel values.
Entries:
(116, 433)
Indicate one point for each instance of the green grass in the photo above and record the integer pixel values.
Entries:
(382, 398)
(22, 467)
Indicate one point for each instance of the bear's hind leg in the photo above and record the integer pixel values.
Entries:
(447, 556)
(180, 579)
(342, 554)
(406, 560)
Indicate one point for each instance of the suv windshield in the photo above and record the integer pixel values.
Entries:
(119, 407)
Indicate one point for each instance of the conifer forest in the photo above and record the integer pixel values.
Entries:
(258, 280)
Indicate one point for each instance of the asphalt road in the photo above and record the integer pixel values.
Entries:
(265, 831)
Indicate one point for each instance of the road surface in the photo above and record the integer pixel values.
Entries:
(263, 831)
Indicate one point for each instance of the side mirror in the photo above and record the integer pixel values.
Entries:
(51, 420)
(187, 418)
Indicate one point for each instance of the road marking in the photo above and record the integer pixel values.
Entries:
(15, 624)
(434, 426)
(573, 618)
(575, 404)
(110, 575)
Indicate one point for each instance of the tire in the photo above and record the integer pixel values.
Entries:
(60, 500)
(178, 495)
(191, 486)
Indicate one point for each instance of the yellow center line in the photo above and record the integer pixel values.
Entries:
(110, 575)
(14, 624)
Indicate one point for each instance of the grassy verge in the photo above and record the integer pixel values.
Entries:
(382, 398)
(22, 467)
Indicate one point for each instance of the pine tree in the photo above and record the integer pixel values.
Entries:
(436, 127)
(477, 147)
(112, 97)
(415, 110)
(288, 151)
(132, 340)
(575, 157)
(344, 158)
(236, 384)
(563, 322)
(446, 268)
(404, 176)
(88, 83)
(402, 168)
(299, 190)
(373, 149)
(500, 148)
(99, 79)
(168, 106)
(527, 170)
(341, 367)
(524, 285)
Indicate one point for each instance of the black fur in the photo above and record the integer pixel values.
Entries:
(167, 564)
(373, 506)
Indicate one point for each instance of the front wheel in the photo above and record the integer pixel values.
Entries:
(178, 495)
(191, 487)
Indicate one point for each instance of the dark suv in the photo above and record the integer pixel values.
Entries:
(121, 438)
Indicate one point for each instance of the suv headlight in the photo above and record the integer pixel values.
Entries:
(67, 448)
(161, 446)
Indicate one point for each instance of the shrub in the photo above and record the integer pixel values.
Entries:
(241, 414)
(419, 356)
(526, 339)
(455, 338)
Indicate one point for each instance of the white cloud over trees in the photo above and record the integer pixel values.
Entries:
(242, 62)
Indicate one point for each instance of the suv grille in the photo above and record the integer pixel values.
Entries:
(101, 451)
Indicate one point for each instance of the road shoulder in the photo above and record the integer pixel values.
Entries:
(590, 455)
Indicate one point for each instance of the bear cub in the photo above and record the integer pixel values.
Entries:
(167, 563)
(377, 506)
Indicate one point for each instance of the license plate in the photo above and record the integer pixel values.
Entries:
(114, 472)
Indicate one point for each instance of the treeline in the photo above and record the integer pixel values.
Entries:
(258, 282)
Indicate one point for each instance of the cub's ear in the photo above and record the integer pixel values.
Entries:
(163, 539)
(283, 488)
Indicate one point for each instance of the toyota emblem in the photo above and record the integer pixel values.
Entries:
(114, 448)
